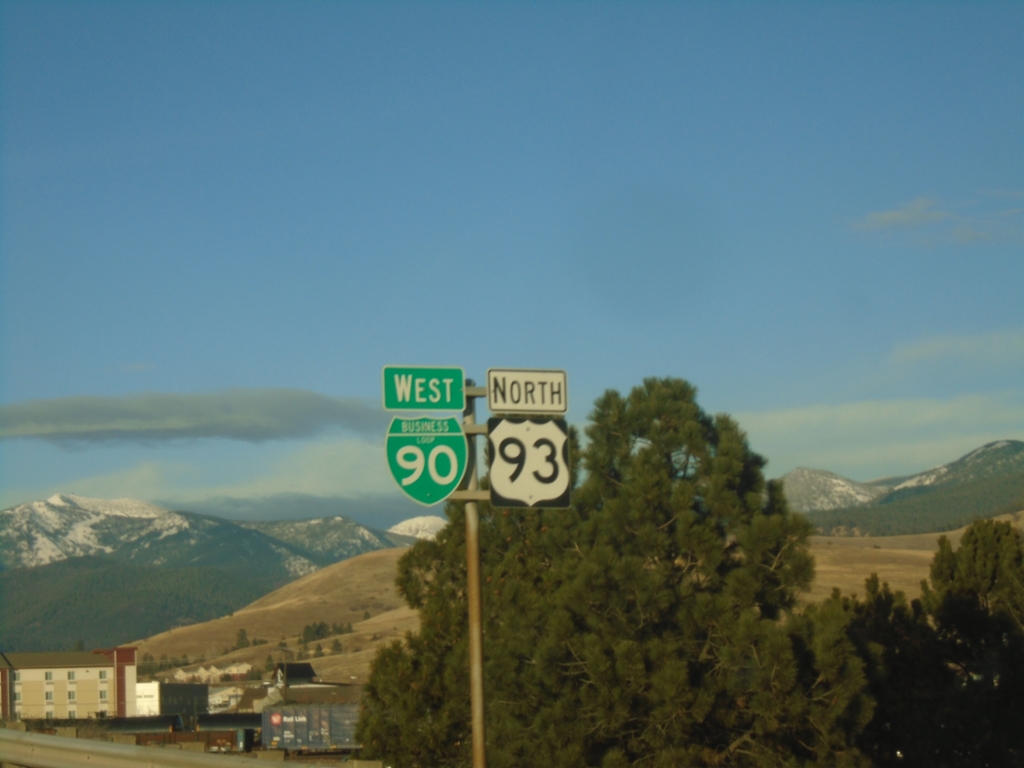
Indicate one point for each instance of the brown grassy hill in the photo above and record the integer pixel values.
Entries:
(902, 561)
(343, 592)
(338, 594)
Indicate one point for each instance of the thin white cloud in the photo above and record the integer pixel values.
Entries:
(993, 349)
(969, 234)
(868, 439)
(145, 481)
(919, 211)
(972, 221)
(343, 468)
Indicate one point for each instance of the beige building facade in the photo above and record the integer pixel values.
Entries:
(68, 685)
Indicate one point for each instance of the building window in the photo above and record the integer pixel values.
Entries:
(17, 696)
(48, 676)
(103, 674)
(71, 695)
(17, 676)
(71, 675)
(49, 695)
(49, 714)
(103, 695)
(71, 714)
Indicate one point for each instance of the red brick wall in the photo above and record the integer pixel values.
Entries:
(5, 692)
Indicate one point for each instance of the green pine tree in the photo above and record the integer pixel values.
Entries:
(947, 671)
(915, 721)
(652, 623)
(976, 601)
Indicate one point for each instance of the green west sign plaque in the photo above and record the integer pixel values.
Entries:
(410, 388)
(427, 457)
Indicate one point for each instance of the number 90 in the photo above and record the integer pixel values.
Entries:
(411, 457)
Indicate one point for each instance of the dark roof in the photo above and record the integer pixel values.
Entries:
(335, 694)
(297, 670)
(54, 659)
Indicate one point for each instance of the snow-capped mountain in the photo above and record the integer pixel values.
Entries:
(998, 458)
(811, 490)
(115, 569)
(985, 482)
(68, 526)
(425, 527)
(326, 540)
(814, 490)
(64, 526)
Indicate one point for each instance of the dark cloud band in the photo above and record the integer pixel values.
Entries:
(241, 414)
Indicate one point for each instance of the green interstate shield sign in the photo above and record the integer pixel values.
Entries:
(427, 457)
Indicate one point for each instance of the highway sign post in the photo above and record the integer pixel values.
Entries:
(427, 457)
(529, 460)
(430, 457)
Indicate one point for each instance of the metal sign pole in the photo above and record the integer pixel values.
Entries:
(476, 640)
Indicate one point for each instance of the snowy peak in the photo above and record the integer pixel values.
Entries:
(930, 477)
(425, 527)
(67, 526)
(813, 490)
(326, 540)
(116, 507)
(995, 459)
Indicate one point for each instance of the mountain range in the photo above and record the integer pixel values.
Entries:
(983, 483)
(105, 571)
(110, 571)
(67, 526)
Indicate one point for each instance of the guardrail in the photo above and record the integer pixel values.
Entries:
(36, 750)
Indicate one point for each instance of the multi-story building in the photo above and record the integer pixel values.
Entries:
(68, 685)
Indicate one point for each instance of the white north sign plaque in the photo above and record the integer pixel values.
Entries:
(521, 390)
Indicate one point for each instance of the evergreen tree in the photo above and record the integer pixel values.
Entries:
(915, 721)
(976, 603)
(947, 671)
(650, 624)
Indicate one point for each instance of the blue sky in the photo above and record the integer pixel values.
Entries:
(220, 220)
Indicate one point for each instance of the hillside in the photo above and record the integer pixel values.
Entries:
(105, 571)
(339, 594)
(343, 592)
(813, 490)
(327, 540)
(902, 561)
(67, 526)
(986, 482)
(103, 601)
